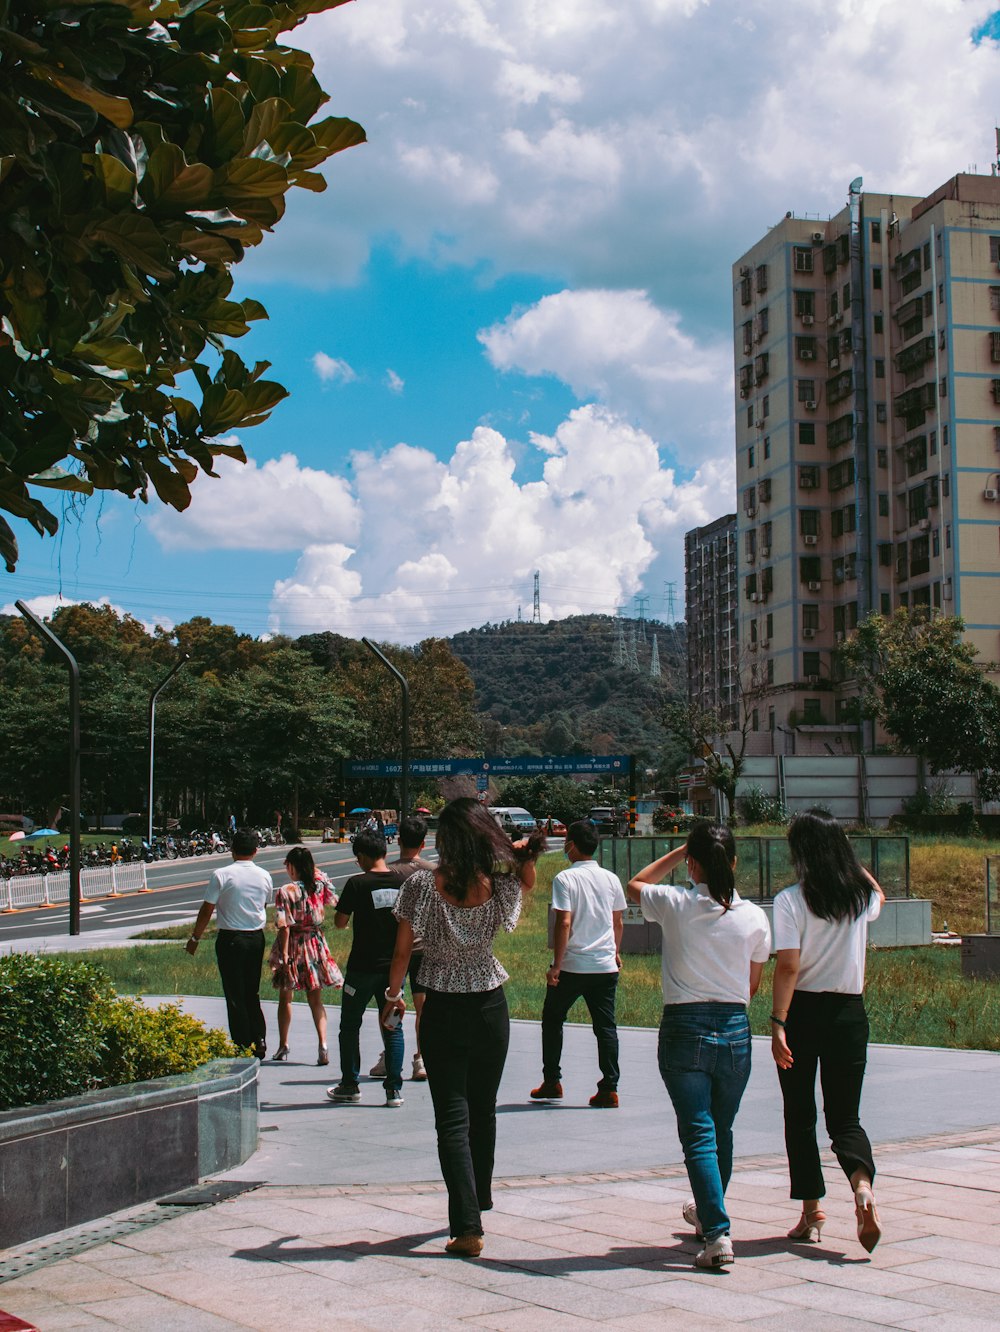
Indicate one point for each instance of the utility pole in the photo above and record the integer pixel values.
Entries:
(404, 767)
(152, 734)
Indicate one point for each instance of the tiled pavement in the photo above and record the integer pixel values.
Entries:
(562, 1251)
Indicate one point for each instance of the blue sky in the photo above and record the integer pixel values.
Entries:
(505, 326)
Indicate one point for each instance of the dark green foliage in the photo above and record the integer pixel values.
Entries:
(66, 1032)
(554, 688)
(920, 679)
(143, 147)
(51, 1018)
(548, 797)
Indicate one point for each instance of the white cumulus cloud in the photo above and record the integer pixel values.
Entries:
(46, 606)
(332, 370)
(393, 382)
(276, 505)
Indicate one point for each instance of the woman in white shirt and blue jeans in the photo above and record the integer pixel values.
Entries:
(819, 1018)
(714, 949)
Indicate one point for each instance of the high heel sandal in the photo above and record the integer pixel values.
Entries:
(809, 1227)
(869, 1226)
(324, 1055)
(281, 1053)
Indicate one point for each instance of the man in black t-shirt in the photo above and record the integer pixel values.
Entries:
(369, 898)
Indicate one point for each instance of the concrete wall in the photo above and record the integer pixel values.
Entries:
(69, 1161)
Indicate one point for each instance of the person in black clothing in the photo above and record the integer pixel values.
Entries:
(369, 898)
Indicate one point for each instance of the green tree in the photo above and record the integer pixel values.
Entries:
(919, 678)
(144, 144)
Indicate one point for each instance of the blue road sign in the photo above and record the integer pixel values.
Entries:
(494, 766)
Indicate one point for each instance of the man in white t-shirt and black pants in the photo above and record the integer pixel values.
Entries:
(241, 891)
(588, 903)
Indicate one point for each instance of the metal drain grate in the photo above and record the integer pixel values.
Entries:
(67, 1244)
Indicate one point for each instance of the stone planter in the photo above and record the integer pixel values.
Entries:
(72, 1160)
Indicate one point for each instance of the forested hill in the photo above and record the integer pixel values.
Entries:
(556, 688)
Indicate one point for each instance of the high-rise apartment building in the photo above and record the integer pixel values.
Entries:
(868, 439)
(711, 606)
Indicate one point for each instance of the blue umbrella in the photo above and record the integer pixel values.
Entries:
(361, 809)
(41, 832)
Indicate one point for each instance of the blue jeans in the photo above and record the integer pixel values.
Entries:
(359, 988)
(704, 1055)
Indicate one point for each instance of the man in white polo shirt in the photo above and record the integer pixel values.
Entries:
(241, 891)
(588, 903)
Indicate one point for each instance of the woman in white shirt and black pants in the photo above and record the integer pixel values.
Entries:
(714, 949)
(819, 1018)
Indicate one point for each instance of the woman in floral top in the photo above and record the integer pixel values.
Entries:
(300, 958)
(456, 910)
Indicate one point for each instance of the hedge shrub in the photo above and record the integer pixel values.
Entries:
(65, 1031)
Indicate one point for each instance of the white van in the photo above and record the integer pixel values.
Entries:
(515, 821)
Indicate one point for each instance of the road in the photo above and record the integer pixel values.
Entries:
(177, 895)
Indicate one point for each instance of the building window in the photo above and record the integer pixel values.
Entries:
(807, 390)
(944, 436)
(761, 276)
(881, 414)
(847, 296)
(940, 293)
(755, 720)
(928, 303)
(770, 670)
(810, 620)
(765, 406)
(936, 542)
(876, 279)
(943, 387)
(809, 522)
(761, 324)
(947, 536)
(927, 255)
(807, 432)
(767, 446)
(883, 504)
(834, 305)
(885, 553)
(750, 461)
(810, 662)
(945, 486)
(841, 475)
(802, 258)
(876, 232)
(809, 478)
(748, 337)
(995, 249)
(938, 246)
(880, 369)
(878, 325)
(805, 348)
(932, 443)
(881, 457)
(746, 295)
(805, 304)
(750, 415)
(809, 569)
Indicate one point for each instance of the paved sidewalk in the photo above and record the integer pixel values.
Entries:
(561, 1252)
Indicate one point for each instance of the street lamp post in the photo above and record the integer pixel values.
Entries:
(152, 732)
(74, 763)
(404, 771)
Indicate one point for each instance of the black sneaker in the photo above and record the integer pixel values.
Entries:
(393, 1099)
(345, 1093)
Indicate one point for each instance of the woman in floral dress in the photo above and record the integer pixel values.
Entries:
(300, 958)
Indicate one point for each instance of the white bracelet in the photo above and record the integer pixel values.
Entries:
(393, 998)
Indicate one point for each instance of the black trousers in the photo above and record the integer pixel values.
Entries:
(829, 1031)
(240, 954)
(464, 1039)
(597, 989)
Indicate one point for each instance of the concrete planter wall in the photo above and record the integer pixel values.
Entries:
(70, 1161)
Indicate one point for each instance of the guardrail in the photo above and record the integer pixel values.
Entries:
(30, 890)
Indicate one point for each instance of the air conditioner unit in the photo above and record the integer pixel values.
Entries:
(811, 405)
(808, 633)
(765, 642)
(753, 645)
(839, 635)
(761, 423)
(814, 586)
(755, 596)
(991, 494)
(834, 320)
(946, 589)
(834, 362)
(817, 238)
(752, 511)
(808, 320)
(809, 540)
(750, 557)
(744, 393)
(807, 354)
(807, 483)
(812, 680)
(924, 525)
(765, 552)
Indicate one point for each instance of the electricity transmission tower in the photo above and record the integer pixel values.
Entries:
(618, 652)
(654, 661)
(640, 608)
(536, 610)
(632, 661)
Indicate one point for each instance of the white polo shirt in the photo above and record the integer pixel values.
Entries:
(592, 895)
(242, 891)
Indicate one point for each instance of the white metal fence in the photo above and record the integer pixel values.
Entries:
(28, 890)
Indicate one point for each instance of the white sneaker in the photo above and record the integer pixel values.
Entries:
(378, 1068)
(690, 1214)
(716, 1253)
(419, 1072)
(393, 1100)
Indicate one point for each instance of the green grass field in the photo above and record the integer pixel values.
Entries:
(915, 996)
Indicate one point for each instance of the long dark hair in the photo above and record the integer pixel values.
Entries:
(833, 883)
(300, 861)
(714, 848)
(470, 842)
